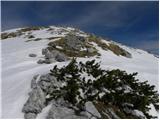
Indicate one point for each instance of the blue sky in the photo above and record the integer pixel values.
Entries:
(131, 23)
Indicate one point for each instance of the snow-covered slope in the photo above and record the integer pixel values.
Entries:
(18, 68)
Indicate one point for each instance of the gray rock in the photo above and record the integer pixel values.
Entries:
(52, 60)
(34, 81)
(44, 51)
(90, 50)
(35, 102)
(32, 55)
(30, 36)
(91, 110)
(52, 56)
(44, 85)
(47, 61)
(128, 55)
(40, 61)
(46, 77)
(60, 111)
(49, 54)
(74, 42)
(60, 57)
(46, 82)
(52, 44)
(30, 116)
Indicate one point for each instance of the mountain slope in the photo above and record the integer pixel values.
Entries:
(18, 68)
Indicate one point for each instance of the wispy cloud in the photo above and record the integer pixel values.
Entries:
(148, 45)
(104, 13)
(148, 42)
(110, 15)
(133, 23)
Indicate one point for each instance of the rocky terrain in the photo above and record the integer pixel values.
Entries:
(46, 81)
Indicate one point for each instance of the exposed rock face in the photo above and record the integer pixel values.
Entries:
(42, 85)
(37, 97)
(74, 42)
(72, 45)
(30, 116)
(36, 100)
(60, 57)
(40, 61)
(35, 103)
(59, 110)
(91, 110)
(52, 56)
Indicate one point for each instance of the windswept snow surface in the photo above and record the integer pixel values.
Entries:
(18, 68)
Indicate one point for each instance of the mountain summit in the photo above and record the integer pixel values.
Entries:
(72, 74)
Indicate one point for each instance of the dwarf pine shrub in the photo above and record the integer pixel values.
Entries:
(114, 87)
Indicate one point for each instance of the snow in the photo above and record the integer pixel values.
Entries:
(128, 104)
(18, 68)
(153, 111)
(59, 47)
(138, 113)
(101, 94)
(88, 77)
(106, 90)
(81, 93)
(127, 89)
(12, 30)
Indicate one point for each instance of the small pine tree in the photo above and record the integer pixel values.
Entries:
(139, 94)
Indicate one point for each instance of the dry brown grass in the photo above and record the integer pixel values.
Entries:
(113, 47)
(9, 35)
(29, 29)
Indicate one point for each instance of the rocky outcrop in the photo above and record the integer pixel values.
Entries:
(60, 110)
(37, 97)
(51, 56)
(73, 45)
(74, 42)
(35, 102)
(40, 61)
(41, 85)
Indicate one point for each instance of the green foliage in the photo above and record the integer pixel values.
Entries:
(114, 87)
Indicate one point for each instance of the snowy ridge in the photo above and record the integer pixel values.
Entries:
(18, 68)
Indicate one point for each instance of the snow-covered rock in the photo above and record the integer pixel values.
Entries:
(35, 103)
(52, 56)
